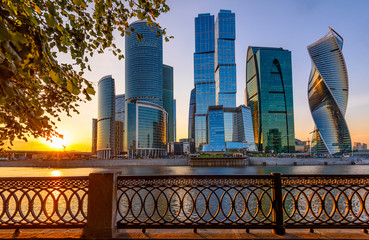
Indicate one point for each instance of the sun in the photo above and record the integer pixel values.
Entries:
(57, 143)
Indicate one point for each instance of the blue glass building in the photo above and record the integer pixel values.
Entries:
(168, 100)
(328, 95)
(269, 95)
(242, 129)
(105, 117)
(225, 63)
(203, 73)
(146, 119)
(144, 64)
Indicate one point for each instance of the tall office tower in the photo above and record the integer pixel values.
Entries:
(203, 73)
(364, 147)
(191, 116)
(269, 95)
(175, 119)
(225, 63)
(119, 123)
(168, 101)
(146, 119)
(106, 117)
(328, 95)
(94, 136)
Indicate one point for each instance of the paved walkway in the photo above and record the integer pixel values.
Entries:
(189, 234)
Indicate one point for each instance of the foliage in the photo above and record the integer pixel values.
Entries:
(35, 87)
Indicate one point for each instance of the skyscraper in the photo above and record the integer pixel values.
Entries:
(269, 95)
(168, 100)
(225, 63)
(328, 95)
(146, 119)
(203, 73)
(94, 136)
(119, 122)
(105, 117)
(191, 116)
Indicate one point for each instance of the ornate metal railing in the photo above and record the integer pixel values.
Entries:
(326, 201)
(276, 201)
(52, 202)
(195, 201)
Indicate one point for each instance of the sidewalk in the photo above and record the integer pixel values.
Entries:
(189, 234)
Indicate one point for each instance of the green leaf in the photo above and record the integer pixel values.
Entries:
(4, 34)
(90, 90)
(55, 77)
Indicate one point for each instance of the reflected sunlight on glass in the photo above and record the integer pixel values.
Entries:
(56, 173)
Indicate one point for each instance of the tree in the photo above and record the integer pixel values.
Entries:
(35, 87)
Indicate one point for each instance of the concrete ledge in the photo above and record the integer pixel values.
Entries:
(189, 234)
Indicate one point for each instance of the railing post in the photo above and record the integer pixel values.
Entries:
(277, 205)
(102, 206)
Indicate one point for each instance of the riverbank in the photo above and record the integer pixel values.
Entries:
(95, 163)
(252, 161)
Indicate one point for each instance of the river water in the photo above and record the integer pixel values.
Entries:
(185, 170)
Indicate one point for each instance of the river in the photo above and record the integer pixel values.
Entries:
(185, 170)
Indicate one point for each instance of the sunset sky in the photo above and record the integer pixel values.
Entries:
(292, 25)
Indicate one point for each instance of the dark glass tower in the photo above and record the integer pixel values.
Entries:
(328, 95)
(119, 123)
(269, 95)
(146, 119)
(168, 101)
(191, 116)
(203, 73)
(105, 117)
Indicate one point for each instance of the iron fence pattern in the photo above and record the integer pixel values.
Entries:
(194, 201)
(325, 201)
(52, 202)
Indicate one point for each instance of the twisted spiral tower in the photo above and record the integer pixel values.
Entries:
(328, 95)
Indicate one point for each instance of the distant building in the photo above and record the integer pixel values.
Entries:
(94, 136)
(119, 125)
(364, 147)
(328, 95)
(175, 118)
(146, 125)
(191, 116)
(168, 100)
(242, 131)
(269, 95)
(357, 146)
(106, 118)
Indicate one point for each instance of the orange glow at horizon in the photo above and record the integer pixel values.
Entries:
(57, 143)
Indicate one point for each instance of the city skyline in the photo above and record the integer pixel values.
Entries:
(291, 25)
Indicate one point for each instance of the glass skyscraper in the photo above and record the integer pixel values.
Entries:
(119, 125)
(144, 64)
(168, 101)
(191, 116)
(146, 119)
(105, 117)
(225, 63)
(203, 73)
(94, 136)
(269, 95)
(328, 95)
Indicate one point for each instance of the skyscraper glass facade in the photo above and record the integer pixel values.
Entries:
(191, 115)
(269, 95)
(146, 119)
(144, 64)
(147, 136)
(242, 130)
(168, 101)
(119, 123)
(328, 95)
(94, 136)
(105, 117)
(203, 73)
(225, 64)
